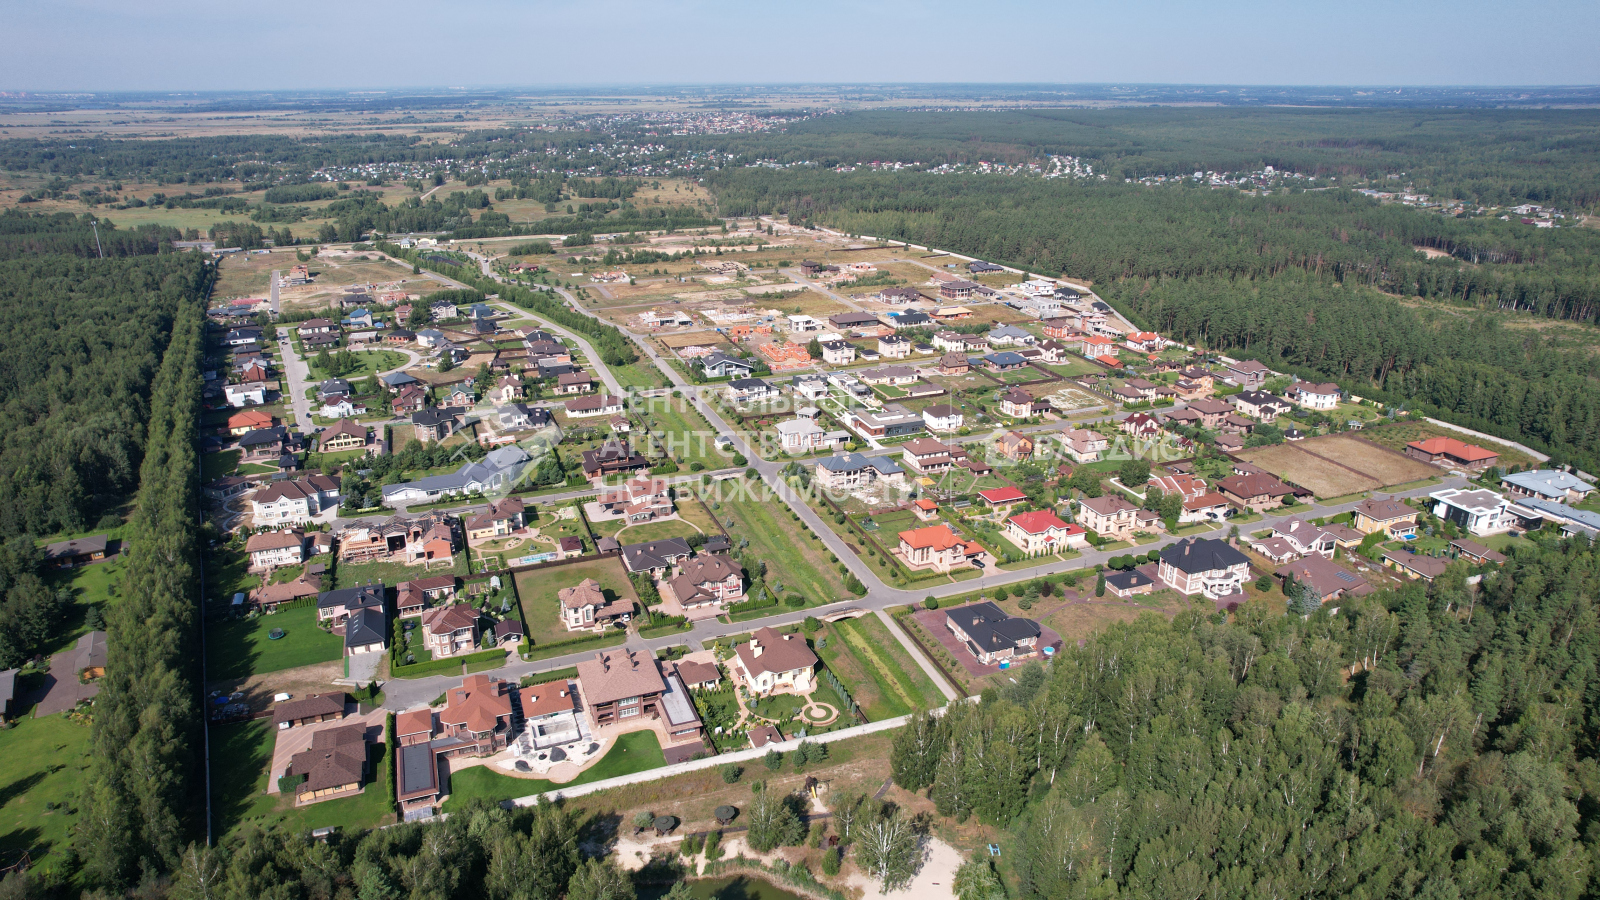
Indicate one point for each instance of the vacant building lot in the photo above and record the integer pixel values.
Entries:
(1337, 465)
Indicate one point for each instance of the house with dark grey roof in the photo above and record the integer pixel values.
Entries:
(990, 634)
(655, 556)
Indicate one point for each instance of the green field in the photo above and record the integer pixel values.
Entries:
(636, 751)
(875, 669)
(541, 608)
(241, 759)
(794, 560)
(685, 432)
(240, 648)
(41, 762)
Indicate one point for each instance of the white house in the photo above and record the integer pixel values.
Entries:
(252, 393)
(294, 501)
(343, 408)
(750, 390)
(1478, 511)
(942, 417)
(1314, 396)
(893, 346)
(1041, 532)
(839, 353)
(801, 434)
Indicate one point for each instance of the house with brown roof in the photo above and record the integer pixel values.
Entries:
(574, 383)
(501, 519)
(1255, 492)
(450, 630)
(706, 580)
(614, 457)
(272, 596)
(308, 710)
(1082, 445)
(773, 662)
(1327, 578)
(334, 766)
(551, 713)
(1475, 553)
(1212, 411)
(272, 549)
(1387, 515)
(1014, 446)
(294, 501)
(477, 717)
(345, 434)
(1114, 518)
(584, 607)
(621, 684)
(1416, 565)
(698, 675)
(954, 364)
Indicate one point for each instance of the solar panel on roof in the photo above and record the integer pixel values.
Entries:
(1345, 576)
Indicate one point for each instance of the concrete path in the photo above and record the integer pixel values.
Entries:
(297, 373)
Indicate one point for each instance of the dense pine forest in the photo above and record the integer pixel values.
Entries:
(1436, 741)
(80, 346)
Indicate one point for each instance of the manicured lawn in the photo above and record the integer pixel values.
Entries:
(239, 648)
(654, 531)
(392, 573)
(794, 560)
(241, 757)
(541, 608)
(41, 761)
(875, 669)
(216, 465)
(636, 751)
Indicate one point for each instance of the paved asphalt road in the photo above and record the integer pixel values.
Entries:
(401, 693)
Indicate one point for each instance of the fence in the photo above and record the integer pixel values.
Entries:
(711, 762)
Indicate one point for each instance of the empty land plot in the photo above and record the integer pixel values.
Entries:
(541, 608)
(1320, 476)
(1382, 464)
(793, 559)
(1078, 621)
(876, 670)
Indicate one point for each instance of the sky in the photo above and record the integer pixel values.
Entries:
(100, 45)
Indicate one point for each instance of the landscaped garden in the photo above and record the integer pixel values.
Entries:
(636, 751)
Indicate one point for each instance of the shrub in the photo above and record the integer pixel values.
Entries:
(773, 760)
(730, 772)
(931, 603)
(830, 862)
(795, 600)
(714, 846)
(812, 624)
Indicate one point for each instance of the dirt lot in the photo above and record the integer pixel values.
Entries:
(1383, 464)
(1321, 477)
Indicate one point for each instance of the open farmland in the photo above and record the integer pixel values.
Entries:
(1336, 465)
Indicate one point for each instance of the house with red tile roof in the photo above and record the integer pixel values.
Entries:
(1041, 531)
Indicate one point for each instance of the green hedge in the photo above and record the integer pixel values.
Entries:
(560, 648)
(567, 674)
(441, 666)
